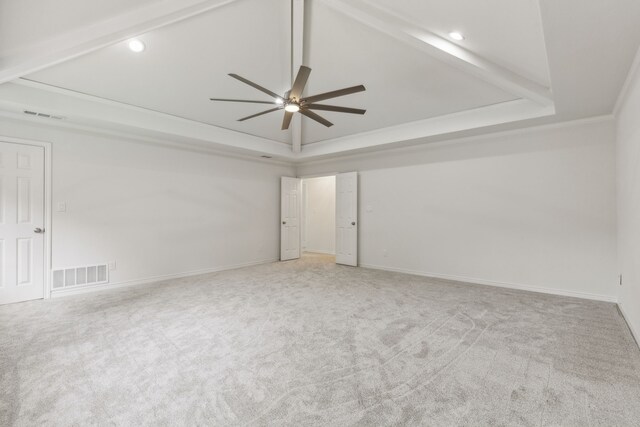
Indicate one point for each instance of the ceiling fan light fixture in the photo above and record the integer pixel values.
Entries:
(293, 100)
(292, 108)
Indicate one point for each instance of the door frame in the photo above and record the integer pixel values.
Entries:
(48, 177)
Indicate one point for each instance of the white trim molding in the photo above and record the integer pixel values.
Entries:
(485, 282)
(420, 146)
(184, 145)
(440, 126)
(635, 333)
(90, 111)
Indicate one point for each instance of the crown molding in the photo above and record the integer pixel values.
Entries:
(418, 131)
(418, 147)
(100, 113)
(185, 145)
(94, 112)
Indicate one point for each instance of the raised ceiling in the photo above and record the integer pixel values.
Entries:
(186, 63)
(403, 85)
(514, 38)
(521, 62)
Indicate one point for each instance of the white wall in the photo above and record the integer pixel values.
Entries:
(534, 209)
(156, 211)
(319, 231)
(628, 149)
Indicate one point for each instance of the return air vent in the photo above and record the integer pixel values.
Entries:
(43, 115)
(80, 276)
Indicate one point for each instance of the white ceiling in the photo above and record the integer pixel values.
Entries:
(402, 85)
(188, 62)
(25, 23)
(420, 84)
(508, 33)
(591, 45)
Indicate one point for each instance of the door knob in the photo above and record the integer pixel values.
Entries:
(284, 222)
(353, 223)
(38, 230)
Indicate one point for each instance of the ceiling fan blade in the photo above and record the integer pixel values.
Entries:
(335, 108)
(334, 94)
(287, 120)
(242, 100)
(316, 117)
(300, 82)
(257, 86)
(258, 114)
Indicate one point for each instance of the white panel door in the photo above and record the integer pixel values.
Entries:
(290, 191)
(347, 218)
(21, 222)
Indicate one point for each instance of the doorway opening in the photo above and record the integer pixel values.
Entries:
(318, 225)
(324, 232)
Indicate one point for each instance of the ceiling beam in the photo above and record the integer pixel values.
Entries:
(442, 49)
(91, 112)
(101, 34)
(428, 129)
(100, 113)
(297, 59)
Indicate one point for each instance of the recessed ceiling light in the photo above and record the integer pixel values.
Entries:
(279, 101)
(456, 36)
(292, 108)
(136, 45)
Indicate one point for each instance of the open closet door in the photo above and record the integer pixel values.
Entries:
(290, 190)
(347, 218)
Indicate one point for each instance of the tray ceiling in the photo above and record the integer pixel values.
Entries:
(521, 61)
(187, 62)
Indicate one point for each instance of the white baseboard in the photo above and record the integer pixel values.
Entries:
(153, 279)
(633, 330)
(471, 280)
(477, 281)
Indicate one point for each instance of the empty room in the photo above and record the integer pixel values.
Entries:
(320, 213)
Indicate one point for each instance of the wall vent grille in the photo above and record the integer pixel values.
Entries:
(45, 115)
(80, 276)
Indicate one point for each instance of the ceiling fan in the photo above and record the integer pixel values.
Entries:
(292, 101)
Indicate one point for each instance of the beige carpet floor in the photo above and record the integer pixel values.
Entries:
(307, 343)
